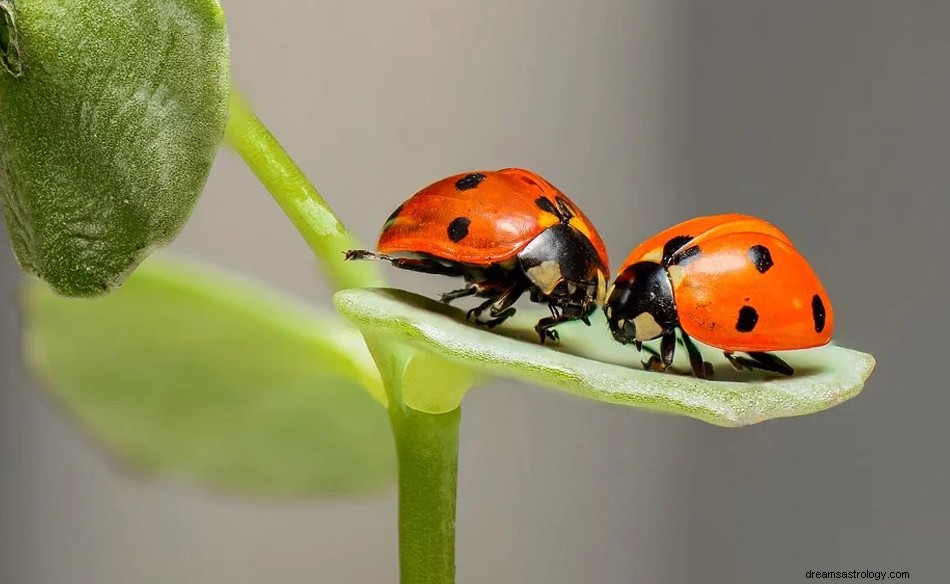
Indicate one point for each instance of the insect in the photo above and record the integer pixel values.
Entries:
(506, 232)
(733, 282)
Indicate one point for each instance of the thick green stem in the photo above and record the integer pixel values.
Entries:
(427, 448)
(297, 196)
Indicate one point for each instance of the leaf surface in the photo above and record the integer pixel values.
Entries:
(589, 363)
(111, 113)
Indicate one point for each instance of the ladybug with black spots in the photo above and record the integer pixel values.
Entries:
(506, 232)
(733, 282)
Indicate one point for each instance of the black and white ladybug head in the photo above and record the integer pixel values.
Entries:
(640, 303)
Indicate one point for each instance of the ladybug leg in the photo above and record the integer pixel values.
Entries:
(738, 363)
(448, 297)
(473, 314)
(764, 361)
(502, 317)
(667, 348)
(502, 309)
(661, 361)
(545, 326)
(696, 362)
(412, 264)
(545, 329)
(769, 362)
(499, 307)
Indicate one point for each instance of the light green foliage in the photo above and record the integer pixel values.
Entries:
(111, 113)
(824, 377)
(192, 374)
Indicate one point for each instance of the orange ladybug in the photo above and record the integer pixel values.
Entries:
(506, 232)
(733, 282)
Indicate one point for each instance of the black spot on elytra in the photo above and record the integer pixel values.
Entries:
(674, 245)
(748, 318)
(761, 258)
(458, 228)
(545, 205)
(818, 313)
(687, 255)
(469, 181)
(394, 214)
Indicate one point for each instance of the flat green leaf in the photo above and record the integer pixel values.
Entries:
(111, 113)
(589, 363)
(196, 375)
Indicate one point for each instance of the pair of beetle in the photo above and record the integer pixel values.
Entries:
(732, 281)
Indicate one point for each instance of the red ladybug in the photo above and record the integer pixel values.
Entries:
(733, 282)
(505, 232)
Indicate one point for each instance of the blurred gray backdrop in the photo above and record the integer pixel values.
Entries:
(828, 118)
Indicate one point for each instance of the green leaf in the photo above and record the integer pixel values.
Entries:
(111, 113)
(197, 375)
(589, 363)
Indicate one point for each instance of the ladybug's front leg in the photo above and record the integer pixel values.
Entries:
(545, 328)
(667, 348)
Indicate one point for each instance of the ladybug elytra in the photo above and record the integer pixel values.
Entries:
(507, 233)
(733, 282)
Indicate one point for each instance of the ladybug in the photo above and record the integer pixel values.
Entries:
(733, 282)
(506, 232)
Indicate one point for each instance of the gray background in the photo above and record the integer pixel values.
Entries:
(829, 118)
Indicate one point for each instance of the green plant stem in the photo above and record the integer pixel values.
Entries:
(427, 449)
(426, 444)
(298, 198)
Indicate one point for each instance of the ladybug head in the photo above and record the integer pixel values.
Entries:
(564, 269)
(640, 304)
